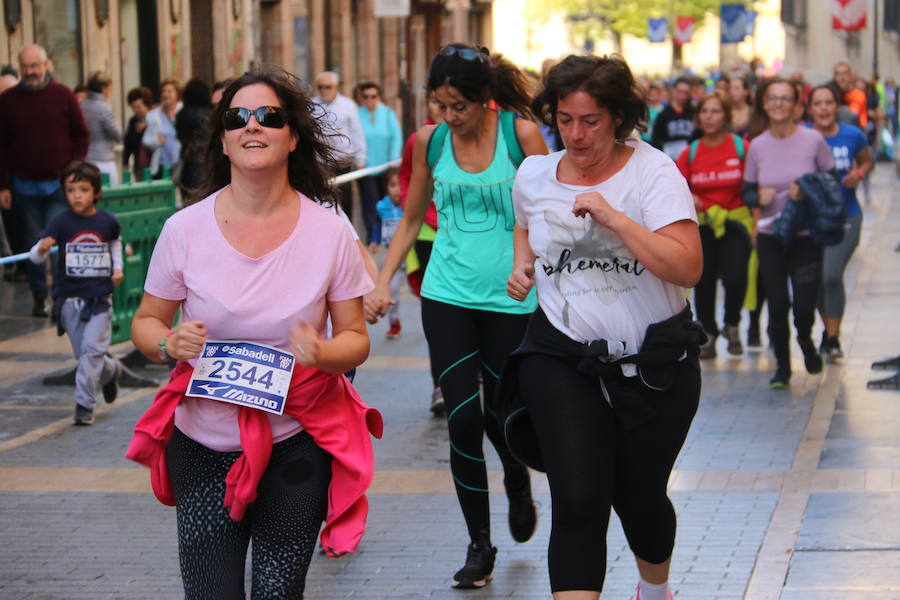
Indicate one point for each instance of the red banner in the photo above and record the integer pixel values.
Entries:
(684, 30)
(848, 15)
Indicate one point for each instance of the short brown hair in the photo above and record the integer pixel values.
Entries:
(140, 93)
(723, 99)
(83, 171)
(174, 83)
(607, 79)
(391, 172)
(98, 80)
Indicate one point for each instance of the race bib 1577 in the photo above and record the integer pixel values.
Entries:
(243, 373)
(88, 259)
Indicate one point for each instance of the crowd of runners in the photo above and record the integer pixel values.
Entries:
(566, 233)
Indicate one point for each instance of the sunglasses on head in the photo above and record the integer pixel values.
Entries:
(273, 117)
(465, 53)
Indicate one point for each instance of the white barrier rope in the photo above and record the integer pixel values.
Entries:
(346, 177)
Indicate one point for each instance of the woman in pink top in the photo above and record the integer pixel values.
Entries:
(778, 157)
(257, 262)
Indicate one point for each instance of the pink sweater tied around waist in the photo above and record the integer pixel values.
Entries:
(326, 405)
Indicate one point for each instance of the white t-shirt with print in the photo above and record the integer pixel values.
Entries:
(589, 284)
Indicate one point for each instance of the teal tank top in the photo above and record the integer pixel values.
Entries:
(472, 255)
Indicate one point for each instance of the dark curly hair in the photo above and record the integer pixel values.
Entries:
(607, 79)
(487, 77)
(310, 165)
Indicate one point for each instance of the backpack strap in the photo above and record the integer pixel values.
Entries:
(436, 144)
(739, 145)
(508, 124)
(693, 151)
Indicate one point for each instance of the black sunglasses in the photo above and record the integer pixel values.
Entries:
(273, 117)
(465, 53)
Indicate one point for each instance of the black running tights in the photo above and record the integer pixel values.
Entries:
(464, 343)
(800, 264)
(724, 257)
(283, 522)
(593, 464)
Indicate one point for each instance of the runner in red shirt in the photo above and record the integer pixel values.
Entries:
(714, 169)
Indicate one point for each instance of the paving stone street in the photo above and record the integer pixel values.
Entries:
(780, 495)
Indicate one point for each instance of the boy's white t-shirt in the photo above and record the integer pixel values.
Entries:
(589, 284)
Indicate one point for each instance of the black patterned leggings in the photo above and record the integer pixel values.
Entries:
(466, 343)
(283, 522)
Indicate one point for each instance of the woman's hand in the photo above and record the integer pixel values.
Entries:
(186, 342)
(380, 299)
(305, 344)
(595, 205)
(795, 193)
(766, 196)
(370, 309)
(161, 138)
(520, 282)
(117, 277)
(853, 178)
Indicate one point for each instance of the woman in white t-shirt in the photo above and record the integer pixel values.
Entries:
(607, 231)
(256, 262)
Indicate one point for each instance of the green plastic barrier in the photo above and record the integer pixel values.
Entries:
(141, 208)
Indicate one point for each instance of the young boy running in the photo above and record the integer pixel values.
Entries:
(89, 265)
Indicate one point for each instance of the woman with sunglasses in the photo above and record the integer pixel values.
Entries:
(853, 161)
(466, 166)
(384, 141)
(779, 156)
(238, 264)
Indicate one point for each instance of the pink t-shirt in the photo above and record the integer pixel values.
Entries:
(246, 299)
(779, 162)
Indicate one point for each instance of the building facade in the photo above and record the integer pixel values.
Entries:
(812, 46)
(141, 42)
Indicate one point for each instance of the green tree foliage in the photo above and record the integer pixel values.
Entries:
(599, 19)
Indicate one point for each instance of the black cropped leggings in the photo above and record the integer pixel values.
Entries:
(466, 343)
(593, 464)
(726, 257)
(283, 522)
(800, 264)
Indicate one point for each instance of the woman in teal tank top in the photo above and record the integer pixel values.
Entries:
(468, 165)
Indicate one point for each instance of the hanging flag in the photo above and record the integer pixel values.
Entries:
(734, 23)
(848, 15)
(656, 30)
(684, 30)
(751, 22)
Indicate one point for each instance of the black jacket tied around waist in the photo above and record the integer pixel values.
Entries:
(668, 345)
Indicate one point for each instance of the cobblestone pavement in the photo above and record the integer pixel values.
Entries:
(790, 495)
